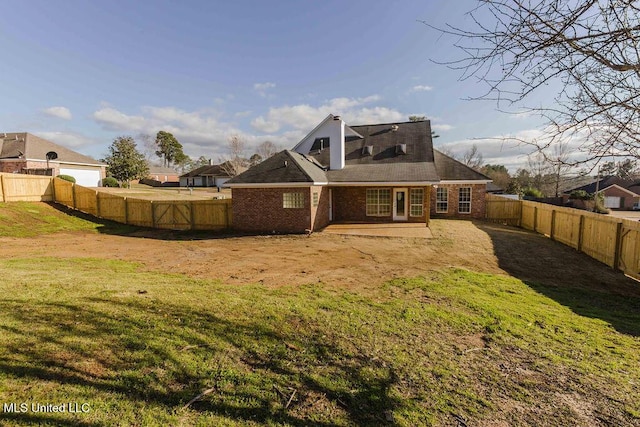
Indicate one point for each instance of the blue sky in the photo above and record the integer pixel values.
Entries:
(81, 73)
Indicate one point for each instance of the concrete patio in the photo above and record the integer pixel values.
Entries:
(412, 230)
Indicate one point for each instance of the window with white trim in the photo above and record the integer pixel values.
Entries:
(464, 200)
(293, 200)
(378, 201)
(416, 201)
(442, 200)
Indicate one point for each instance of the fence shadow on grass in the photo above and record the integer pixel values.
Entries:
(115, 228)
(575, 280)
(127, 347)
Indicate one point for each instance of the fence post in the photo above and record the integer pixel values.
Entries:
(98, 204)
(535, 219)
(580, 233)
(126, 211)
(191, 216)
(618, 247)
(153, 215)
(73, 195)
(226, 215)
(4, 190)
(553, 224)
(53, 188)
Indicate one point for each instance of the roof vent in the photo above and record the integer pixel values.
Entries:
(401, 149)
(367, 150)
(394, 128)
(336, 117)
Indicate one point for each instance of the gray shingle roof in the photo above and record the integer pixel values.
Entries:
(206, 170)
(28, 146)
(415, 135)
(449, 169)
(419, 163)
(285, 166)
(628, 184)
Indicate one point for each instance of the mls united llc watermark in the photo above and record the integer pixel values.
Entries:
(35, 407)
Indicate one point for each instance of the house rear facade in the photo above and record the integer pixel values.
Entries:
(372, 173)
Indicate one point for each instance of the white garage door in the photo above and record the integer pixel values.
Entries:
(84, 177)
(612, 202)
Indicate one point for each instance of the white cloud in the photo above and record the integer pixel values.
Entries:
(512, 150)
(262, 88)
(71, 140)
(441, 127)
(304, 117)
(421, 88)
(59, 112)
(206, 132)
(200, 132)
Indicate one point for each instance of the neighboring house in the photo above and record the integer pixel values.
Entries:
(28, 154)
(618, 193)
(340, 173)
(205, 176)
(163, 174)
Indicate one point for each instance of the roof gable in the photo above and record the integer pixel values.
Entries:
(28, 146)
(450, 169)
(207, 170)
(627, 184)
(284, 167)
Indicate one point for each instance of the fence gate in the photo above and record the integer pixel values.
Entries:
(172, 215)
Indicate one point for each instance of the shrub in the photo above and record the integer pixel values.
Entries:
(67, 178)
(532, 192)
(110, 182)
(580, 195)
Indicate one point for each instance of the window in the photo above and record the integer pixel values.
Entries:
(316, 197)
(379, 202)
(464, 200)
(442, 200)
(416, 201)
(292, 200)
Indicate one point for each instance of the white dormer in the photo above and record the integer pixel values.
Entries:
(328, 135)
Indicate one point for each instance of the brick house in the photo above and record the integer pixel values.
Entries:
(618, 193)
(371, 173)
(28, 154)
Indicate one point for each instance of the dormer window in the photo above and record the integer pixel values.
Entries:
(320, 144)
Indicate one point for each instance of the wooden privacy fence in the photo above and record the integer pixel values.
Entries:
(165, 214)
(172, 215)
(25, 188)
(613, 241)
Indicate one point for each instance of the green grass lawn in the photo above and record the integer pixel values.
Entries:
(26, 219)
(138, 346)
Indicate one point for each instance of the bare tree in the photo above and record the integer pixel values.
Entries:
(236, 162)
(589, 49)
(266, 149)
(473, 158)
(148, 147)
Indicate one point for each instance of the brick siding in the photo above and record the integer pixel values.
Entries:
(259, 210)
(350, 205)
(628, 199)
(478, 202)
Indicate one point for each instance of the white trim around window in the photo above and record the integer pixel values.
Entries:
(464, 200)
(442, 200)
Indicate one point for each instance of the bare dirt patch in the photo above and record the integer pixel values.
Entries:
(335, 259)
